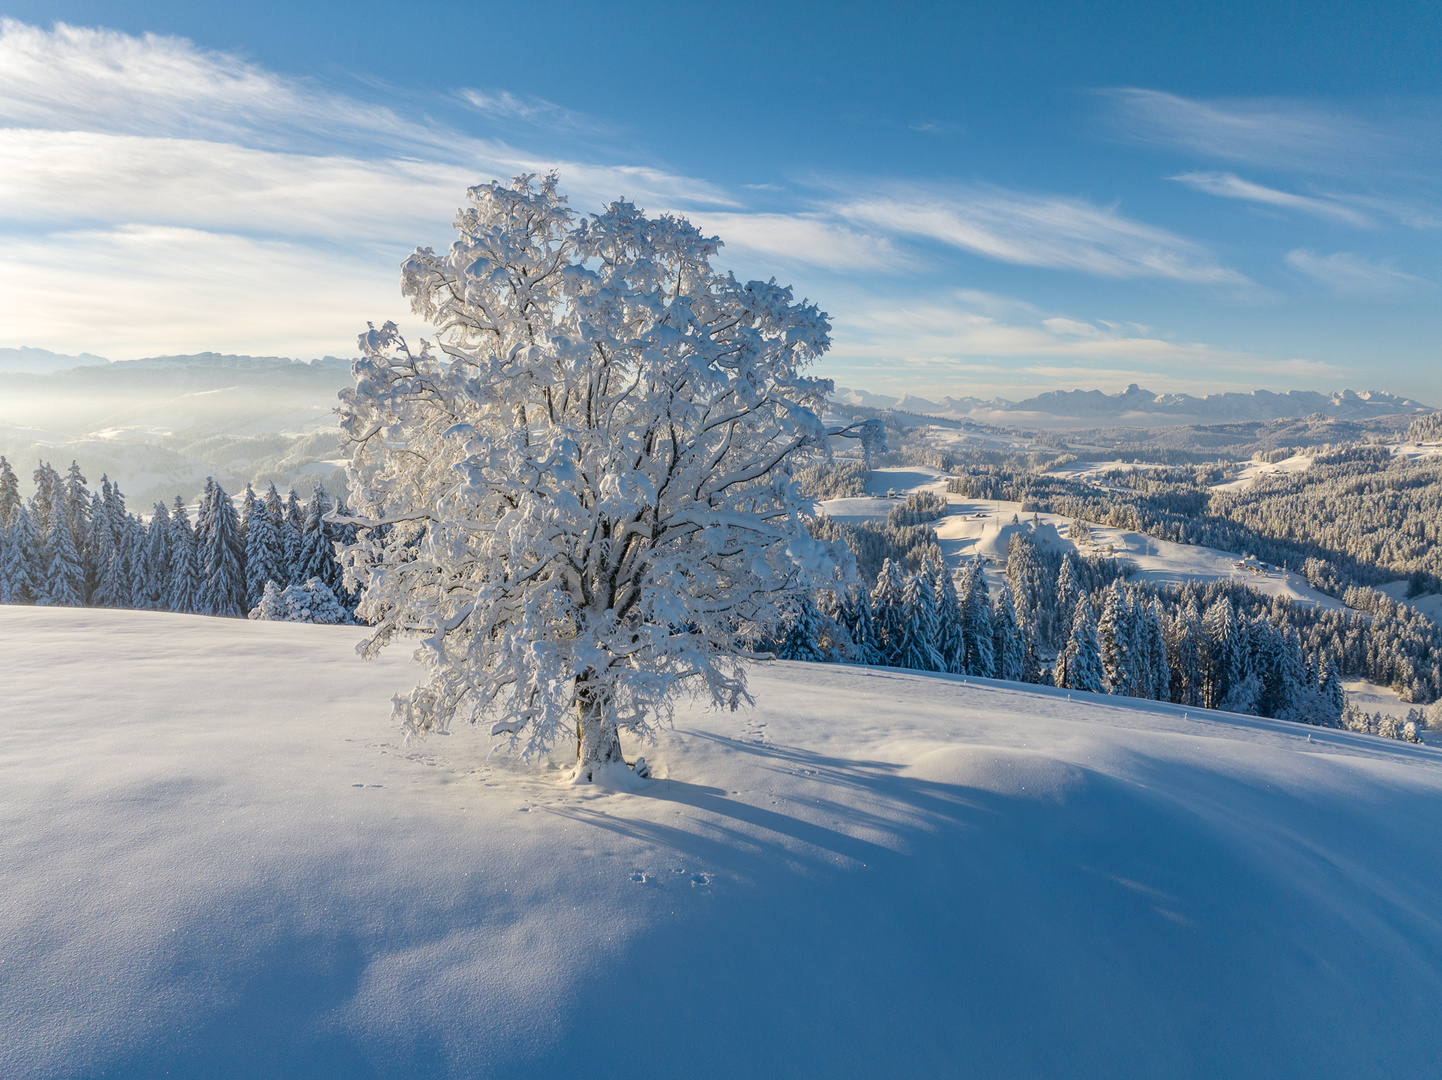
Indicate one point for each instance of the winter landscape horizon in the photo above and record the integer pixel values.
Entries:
(736, 541)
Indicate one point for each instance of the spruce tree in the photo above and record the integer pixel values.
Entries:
(888, 615)
(99, 547)
(158, 569)
(950, 642)
(1006, 635)
(916, 648)
(1157, 640)
(221, 556)
(112, 580)
(264, 554)
(1068, 592)
(316, 558)
(801, 640)
(20, 577)
(9, 495)
(976, 626)
(863, 630)
(65, 576)
(1185, 656)
(1079, 664)
(294, 529)
(184, 595)
(285, 550)
(1113, 637)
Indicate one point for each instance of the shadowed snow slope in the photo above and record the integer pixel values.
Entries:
(219, 860)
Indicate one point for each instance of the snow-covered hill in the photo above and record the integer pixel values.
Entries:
(220, 860)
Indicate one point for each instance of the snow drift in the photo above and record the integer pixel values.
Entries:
(219, 859)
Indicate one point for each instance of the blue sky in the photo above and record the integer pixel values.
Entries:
(988, 199)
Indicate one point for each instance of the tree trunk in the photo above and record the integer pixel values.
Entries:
(598, 744)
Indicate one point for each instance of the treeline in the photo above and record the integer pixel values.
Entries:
(1079, 624)
(67, 546)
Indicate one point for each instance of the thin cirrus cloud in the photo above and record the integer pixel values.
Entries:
(1231, 186)
(1348, 274)
(1044, 231)
(1273, 133)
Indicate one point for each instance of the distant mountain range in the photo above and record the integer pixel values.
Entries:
(1142, 408)
(39, 371)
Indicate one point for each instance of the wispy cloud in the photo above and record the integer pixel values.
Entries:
(1231, 186)
(143, 290)
(1039, 230)
(504, 105)
(1347, 274)
(1269, 132)
(808, 239)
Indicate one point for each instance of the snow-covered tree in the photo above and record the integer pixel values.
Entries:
(950, 641)
(888, 613)
(1114, 635)
(801, 633)
(308, 602)
(9, 494)
(264, 546)
(1161, 672)
(220, 555)
(158, 568)
(581, 501)
(1079, 664)
(862, 630)
(64, 573)
(292, 527)
(184, 595)
(917, 646)
(21, 577)
(315, 558)
(976, 629)
(1010, 649)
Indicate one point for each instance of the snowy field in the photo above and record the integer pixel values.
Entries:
(220, 860)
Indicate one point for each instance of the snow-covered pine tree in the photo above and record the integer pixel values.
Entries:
(1161, 672)
(950, 642)
(292, 528)
(158, 570)
(863, 631)
(264, 548)
(9, 495)
(1079, 663)
(1184, 657)
(1114, 634)
(1010, 649)
(801, 636)
(316, 558)
(111, 585)
(96, 550)
(65, 575)
(21, 581)
(1221, 646)
(279, 524)
(596, 464)
(917, 648)
(135, 561)
(888, 613)
(184, 595)
(42, 503)
(220, 555)
(976, 629)
(1330, 691)
(1068, 592)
